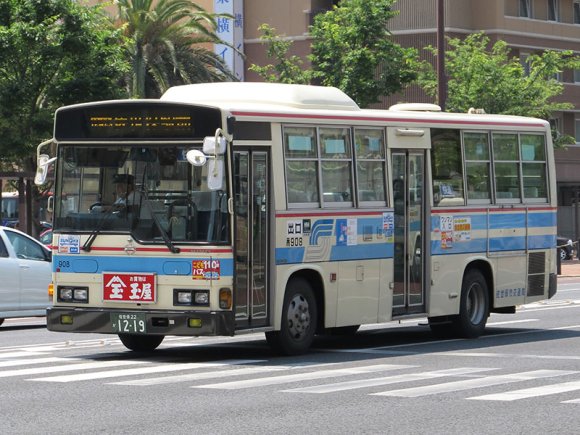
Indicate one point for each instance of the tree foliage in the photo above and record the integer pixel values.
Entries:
(287, 69)
(164, 45)
(490, 78)
(54, 52)
(352, 50)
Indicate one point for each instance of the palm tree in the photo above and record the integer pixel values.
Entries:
(163, 43)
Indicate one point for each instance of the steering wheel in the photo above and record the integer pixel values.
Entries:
(96, 204)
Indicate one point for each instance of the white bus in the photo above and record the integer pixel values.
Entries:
(288, 209)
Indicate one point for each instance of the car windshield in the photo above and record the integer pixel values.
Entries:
(149, 191)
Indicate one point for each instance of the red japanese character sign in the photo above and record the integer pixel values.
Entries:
(129, 287)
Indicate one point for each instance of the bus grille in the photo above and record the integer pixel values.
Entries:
(536, 273)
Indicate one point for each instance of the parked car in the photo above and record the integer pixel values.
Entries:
(25, 273)
(565, 248)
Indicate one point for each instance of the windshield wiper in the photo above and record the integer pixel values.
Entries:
(97, 231)
(174, 249)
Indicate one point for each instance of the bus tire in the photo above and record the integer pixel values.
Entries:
(141, 343)
(299, 319)
(474, 305)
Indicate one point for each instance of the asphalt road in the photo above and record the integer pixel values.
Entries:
(522, 377)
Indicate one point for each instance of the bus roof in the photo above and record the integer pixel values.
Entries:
(276, 94)
(276, 100)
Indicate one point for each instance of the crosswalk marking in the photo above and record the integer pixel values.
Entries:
(202, 376)
(364, 383)
(486, 381)
(322, 374)
(20, 354)
(140, 371)
(66, 368)
(32, 361)
(526, 393)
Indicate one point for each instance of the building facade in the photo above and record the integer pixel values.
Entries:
(528, 26)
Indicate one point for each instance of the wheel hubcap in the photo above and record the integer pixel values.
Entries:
(298, 317)
(475, 304)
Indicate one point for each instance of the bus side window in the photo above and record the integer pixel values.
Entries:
(447, 168)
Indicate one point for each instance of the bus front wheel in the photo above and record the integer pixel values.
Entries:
(299, 317)
(474, 305)
(141, 343)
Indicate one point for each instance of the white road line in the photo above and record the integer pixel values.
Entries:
(571, 401)
(140, 371)
(20, 354)
(509, 322)
(26, 362)
(220, 374)
(526, 393)
(469, 384)
(322, 374)
(365, 383)
(66, 368)
(201, 376)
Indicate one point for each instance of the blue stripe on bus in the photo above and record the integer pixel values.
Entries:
(368, 251)
(503, 220)
(289, 255)
(157, 265)
(496, 244)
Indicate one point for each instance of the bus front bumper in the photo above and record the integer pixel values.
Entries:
(100, 321)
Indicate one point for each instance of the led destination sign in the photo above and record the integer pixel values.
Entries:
(147, 125)
(135, 120)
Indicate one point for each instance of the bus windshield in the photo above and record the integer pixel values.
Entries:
(149, 191)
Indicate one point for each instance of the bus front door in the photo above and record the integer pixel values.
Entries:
(409, 209)
(251, 202)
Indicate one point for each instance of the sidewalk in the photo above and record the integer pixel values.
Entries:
(570, 268)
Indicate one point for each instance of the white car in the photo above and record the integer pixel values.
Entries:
(25, 273)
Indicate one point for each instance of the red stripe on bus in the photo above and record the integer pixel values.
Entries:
(164, 250)
(332, 213)
(380, 119)
(493, 210)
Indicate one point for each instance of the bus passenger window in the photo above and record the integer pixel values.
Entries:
(446, 167)
(477, 167)
(301, 155)
(370, 164)
(534, 167)
(506, 167)
(336, 166)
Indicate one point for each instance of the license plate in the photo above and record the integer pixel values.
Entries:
(128, 323)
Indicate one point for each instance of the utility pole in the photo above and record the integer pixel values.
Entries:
(441, 79)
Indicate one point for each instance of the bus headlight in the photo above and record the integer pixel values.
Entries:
(72, 294)
(199, 298)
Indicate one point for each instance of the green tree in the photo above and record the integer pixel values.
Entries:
(54, 52)
(165, 45)
(481, 76)
(287, 69)
(352, 50)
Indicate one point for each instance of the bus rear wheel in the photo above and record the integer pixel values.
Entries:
(141, 343)
(474, 305)
(299, 319)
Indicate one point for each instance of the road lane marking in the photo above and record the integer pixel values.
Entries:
(140, 371)
(365, 383)
(322, 374)
(66, 368)
(469, 384)
(527, 393)
(26, 362)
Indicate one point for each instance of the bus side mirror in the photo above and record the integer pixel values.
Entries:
(196, 157)
(44, 162)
